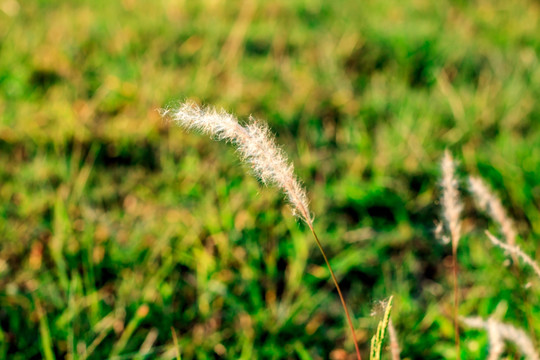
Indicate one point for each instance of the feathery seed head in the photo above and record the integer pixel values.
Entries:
(490, 203)
(450, 198)
(516, 252)
(496, 344)
(498, 332)
(255, 144)
(215, 123)
(394, 343)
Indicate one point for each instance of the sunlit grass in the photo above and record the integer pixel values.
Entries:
(107, 210)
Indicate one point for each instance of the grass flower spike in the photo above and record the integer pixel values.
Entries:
(498, 332)
(257, 147)
(515, 251)
(450, 198)
(490, 203)
(394, 343)
(451, 214)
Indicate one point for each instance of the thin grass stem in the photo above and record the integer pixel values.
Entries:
(456, 302)
(334, 279)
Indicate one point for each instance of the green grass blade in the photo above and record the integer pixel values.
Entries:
(378, 338)
(44, 332)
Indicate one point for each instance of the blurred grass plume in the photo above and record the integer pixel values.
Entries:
(487, 201)
(452, 207)
(498, 332)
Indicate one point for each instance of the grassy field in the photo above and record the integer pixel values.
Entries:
(120, 231)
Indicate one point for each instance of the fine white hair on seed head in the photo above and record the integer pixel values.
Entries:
(498, 332)
(490, 203)
(450, 198)
(255, 144)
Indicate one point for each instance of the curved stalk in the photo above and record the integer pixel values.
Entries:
(334, 279)
(456, 303)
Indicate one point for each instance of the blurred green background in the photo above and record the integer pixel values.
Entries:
(119, 230)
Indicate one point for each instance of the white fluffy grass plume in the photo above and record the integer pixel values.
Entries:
(451, 211)
(256, 146)
(515, 251)
(490, 203)
(450, 200)
(499, 332)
